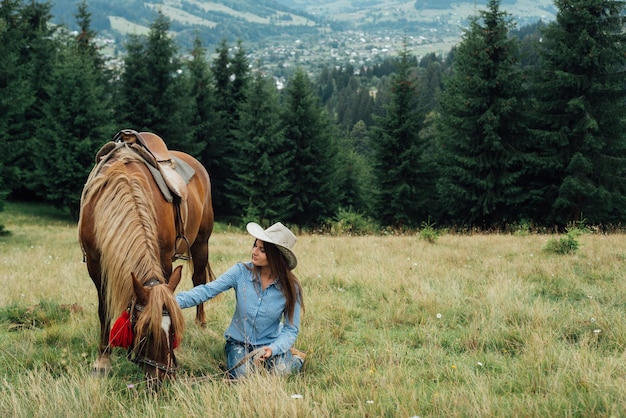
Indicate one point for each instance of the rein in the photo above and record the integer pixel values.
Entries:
(254, 355)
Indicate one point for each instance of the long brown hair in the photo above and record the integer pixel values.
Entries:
(287, 281)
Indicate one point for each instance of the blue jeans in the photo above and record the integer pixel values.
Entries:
(281, 364)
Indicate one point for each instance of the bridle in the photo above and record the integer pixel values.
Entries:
(172, 364)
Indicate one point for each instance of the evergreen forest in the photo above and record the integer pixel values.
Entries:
(513, 126)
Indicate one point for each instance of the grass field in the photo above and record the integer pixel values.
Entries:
(468, 326)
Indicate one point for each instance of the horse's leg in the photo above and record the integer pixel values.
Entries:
(103, 362)
(201, 271)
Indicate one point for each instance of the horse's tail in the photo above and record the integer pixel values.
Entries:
(210, 274)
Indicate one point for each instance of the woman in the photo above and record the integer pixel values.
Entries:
(268, 304)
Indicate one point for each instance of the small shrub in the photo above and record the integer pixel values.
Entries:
(521, 229)
(348, 222)
(567, 244)
(428, 232)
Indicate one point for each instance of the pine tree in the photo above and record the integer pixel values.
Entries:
(221, 69)
(481, 130)
(78, 120)
(154, 94)
(86, 37)
(308, 130)
(231, 74)
(582, 102)
(240, 79)
(431, 82)
(354, 176)
(203, 119)
(402, 175)
(38, 45)
(15, 94)
(214, 154)
(259, 187)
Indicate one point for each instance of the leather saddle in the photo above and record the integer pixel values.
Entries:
(158, 155)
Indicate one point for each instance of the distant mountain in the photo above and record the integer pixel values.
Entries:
(285, 34)
(417, 10)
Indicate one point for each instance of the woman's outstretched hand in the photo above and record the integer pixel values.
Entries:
(267, 354)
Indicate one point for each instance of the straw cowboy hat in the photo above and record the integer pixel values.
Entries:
(279, 235)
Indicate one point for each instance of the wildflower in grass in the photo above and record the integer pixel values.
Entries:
(372, 370)
(438, 316)
(454, 367)
(480, 364)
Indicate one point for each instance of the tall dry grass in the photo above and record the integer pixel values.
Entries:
(470, 326)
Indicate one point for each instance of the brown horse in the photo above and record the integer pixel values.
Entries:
(129, 236)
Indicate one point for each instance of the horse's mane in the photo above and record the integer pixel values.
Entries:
(150, 321)
(125, 229)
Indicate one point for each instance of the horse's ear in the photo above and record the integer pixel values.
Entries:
(175, 278)
(140, 292)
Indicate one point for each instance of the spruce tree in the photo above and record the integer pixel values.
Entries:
(86, 37)
(311, 141)
(581, 105)
(354, 176)
(203, 119)
(231, 75)
(78, 120)
(403, 178)
(37, 54)
(15, 93)
(482, 131)
(154, 93)
(217, 147)
(240, 67)
(259, 186)
(431, 82)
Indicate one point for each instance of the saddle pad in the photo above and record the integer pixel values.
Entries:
(182, 168)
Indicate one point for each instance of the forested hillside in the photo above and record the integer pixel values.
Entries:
(514, 127)
(263, 23)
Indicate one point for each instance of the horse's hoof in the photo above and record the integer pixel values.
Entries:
(99, 372)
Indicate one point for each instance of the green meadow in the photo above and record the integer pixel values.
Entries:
(475, 325)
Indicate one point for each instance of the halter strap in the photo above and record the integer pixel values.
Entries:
(134, 306)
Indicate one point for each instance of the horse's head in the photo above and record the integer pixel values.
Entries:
(158, 327)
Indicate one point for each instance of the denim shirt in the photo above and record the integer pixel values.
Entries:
(259, 319)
